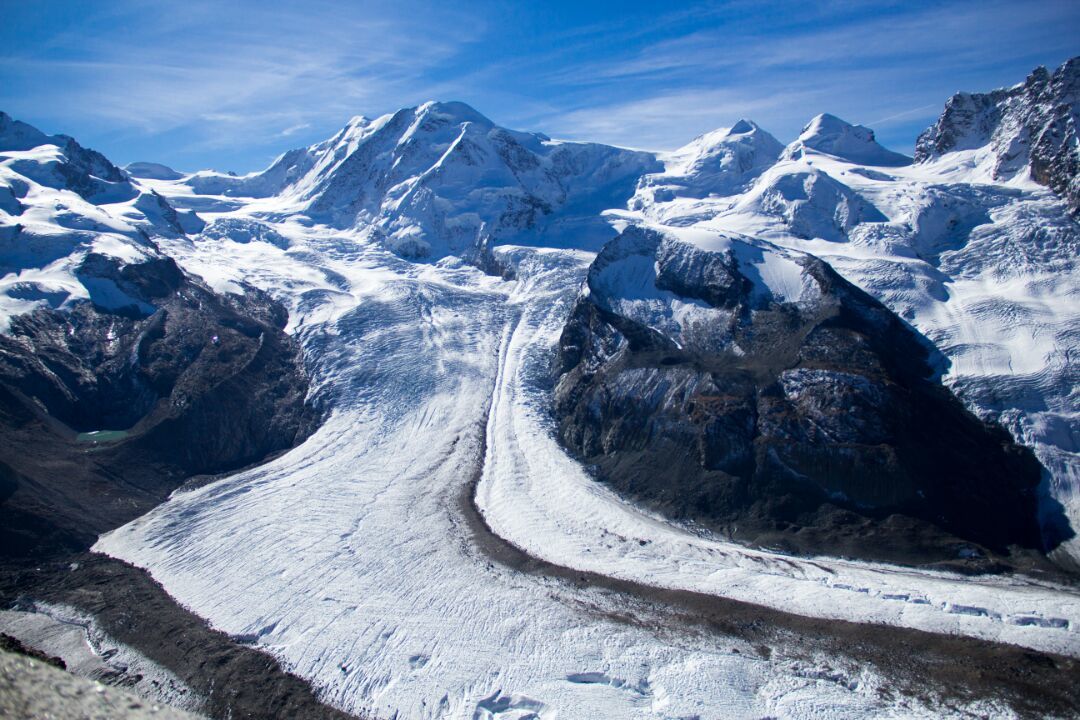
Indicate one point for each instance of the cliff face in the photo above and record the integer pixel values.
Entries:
(753, 390)
(1034, 124)
(197, 383)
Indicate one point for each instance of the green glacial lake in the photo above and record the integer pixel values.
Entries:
(102, 436)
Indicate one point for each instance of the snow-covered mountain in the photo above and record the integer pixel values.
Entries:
(494, 320)
(722, 162)
(829, 135)
(442, 179)
(983, 267)
(1031, 130)
(60, 205)
(151, 171)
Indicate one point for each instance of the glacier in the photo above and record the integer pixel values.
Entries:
(429, 260)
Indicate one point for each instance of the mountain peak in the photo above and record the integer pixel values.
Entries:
(17, 135)
(831, 135)
(742, 127)
(453, 110)
(1032, 127)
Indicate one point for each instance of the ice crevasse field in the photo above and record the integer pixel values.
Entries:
(353, 560)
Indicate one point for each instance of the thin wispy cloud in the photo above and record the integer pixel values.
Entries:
(204, 83)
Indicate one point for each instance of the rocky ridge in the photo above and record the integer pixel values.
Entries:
(1030, 129)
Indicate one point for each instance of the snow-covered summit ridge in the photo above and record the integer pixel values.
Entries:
(441, 178)
(59, 161)
(151, 171)
(854, 143)
(1029, 130)
(721, 162)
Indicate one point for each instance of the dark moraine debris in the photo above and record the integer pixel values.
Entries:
(754, 391)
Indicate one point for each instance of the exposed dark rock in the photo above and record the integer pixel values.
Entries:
(1036, 123)
(198, 383)
(807, 422)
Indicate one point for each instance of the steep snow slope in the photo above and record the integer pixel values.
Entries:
(59, 204)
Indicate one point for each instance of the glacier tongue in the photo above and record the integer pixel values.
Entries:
(349, 558)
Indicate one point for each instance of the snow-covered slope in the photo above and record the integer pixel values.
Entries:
(721, 162)
(59, 204)
(151, 171)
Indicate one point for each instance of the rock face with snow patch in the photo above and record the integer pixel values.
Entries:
(752, 389)
(1031, 128)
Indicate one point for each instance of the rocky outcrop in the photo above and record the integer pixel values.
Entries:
(753, 390)
(1033, 126)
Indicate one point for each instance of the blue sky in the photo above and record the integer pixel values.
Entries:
(231, 84)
